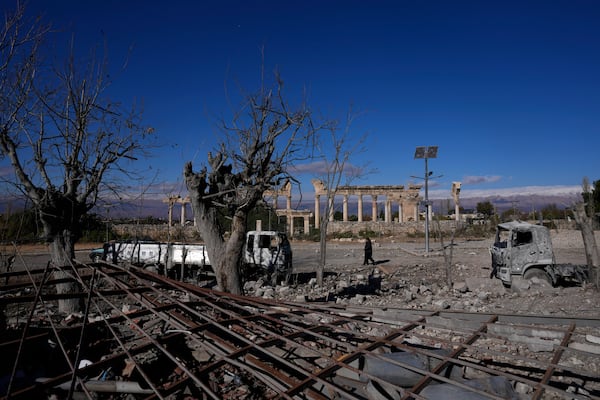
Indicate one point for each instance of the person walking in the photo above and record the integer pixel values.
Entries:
(368, 252)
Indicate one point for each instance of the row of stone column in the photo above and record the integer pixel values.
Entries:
(171, 201)
(407, 201)
(388, 209)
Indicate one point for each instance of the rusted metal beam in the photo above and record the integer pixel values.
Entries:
(215, 344)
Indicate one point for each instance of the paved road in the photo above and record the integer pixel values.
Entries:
(39, 259)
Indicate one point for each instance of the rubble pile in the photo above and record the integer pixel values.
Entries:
(375, 288)
(141, 335)
(404, 277)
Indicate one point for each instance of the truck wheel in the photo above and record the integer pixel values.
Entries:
(539, 274)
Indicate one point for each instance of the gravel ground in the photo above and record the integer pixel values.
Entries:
(404, 277)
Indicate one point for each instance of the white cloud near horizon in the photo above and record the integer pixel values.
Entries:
(475, 180)
(315, 168)
(558, 190)
(320, 168)
(163, 190)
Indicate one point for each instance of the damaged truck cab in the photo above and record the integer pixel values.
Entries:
(270, 252)
(525, 250)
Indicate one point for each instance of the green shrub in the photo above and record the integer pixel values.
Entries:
(367, 233)
(343, 235)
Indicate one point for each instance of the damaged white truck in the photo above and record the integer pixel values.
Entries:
(265, 253)
(521, 249)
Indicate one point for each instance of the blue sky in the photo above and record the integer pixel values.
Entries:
(508, 90)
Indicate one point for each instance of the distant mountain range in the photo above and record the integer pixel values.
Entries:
(523, 200)
(524, 203)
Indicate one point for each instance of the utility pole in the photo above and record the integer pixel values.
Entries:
(426, 152)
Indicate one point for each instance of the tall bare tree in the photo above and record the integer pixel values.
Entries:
(264, 138)
(335, 151)
(64, 139)
(584, 214)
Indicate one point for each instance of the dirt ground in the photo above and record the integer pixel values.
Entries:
(404, 277)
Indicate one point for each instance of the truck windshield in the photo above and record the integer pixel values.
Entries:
(522, 238)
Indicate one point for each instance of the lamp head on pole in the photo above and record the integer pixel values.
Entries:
(426, 152)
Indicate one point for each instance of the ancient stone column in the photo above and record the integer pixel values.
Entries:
(183, 213)
(456, 196)
(388, 210)
(360, 208)
(374, 208)
(330, 202)
(317, 211)
(345, 208)
(306, 224)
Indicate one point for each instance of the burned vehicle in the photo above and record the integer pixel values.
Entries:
(521, 249)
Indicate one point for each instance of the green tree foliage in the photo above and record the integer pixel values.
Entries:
(552, 211)
(486, 208)
(93, 229)
(267, 216)
(24, 227)
(338, 216)
(19, 227)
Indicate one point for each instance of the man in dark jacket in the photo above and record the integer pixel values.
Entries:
(368, 252)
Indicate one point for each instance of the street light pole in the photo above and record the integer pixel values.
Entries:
(426, 152)
(426, 208)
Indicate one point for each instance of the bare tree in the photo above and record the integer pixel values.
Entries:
(64, 140)
(448, 250)
(259, 146)
(335, 152)
(584, 214)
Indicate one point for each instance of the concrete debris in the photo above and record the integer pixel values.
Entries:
(495, 385)
(146, 336)
(592, 339)
(405, 369)
(588, 348)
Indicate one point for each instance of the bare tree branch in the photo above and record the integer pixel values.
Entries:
(264, 137)
(77, 140)
(344, 146)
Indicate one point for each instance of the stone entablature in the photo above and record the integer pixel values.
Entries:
(183, 201)
(287, 212)
(406, 198)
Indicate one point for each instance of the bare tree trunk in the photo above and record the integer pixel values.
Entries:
(231, 278)
(225, 256)
(592, 256)
(323, 251)
(448, 253)
(62, 253)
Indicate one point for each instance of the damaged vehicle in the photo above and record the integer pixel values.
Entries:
(268, 252)
(521, 249)
(265, 253)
